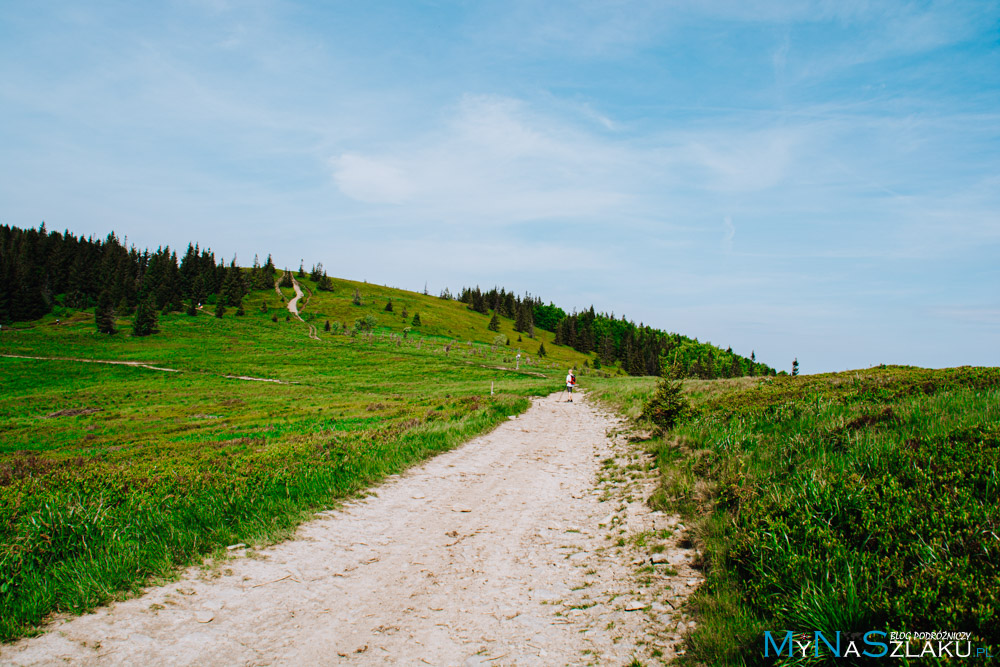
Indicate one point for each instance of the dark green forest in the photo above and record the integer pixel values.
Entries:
(637, 349)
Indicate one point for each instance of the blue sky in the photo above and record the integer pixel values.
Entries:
(816, 179)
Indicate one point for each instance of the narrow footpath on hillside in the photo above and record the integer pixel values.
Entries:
(530, 545)
(293, 307)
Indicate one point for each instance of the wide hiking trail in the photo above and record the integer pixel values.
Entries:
(518, 548)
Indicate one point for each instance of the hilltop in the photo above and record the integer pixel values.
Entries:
(59, 274)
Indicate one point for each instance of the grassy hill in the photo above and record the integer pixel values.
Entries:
(844, 502)
(111, 474)
(854, 501)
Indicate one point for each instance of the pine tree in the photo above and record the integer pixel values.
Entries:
(416, 319)
(144, 322)
(220, 309)
(104, 314)
(326, 327)
(795, 367)
(302, 271)
(191, 309)
(388, 306)
(541, 350)
(405, 314)
(494, 324)
(357, 297)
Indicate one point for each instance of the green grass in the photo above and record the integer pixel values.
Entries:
(856, 501)
(145, 471)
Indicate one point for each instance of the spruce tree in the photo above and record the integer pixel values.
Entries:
(541, 350)
(192, 310)
(326, 327)
(416, 319)
(388, 306)
(104, 314)
(144, 322)
(220, 309)
(494, 324)
(795, 367)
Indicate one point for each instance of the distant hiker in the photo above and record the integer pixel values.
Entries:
(570, 383)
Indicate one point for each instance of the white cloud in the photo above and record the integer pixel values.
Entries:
(491, 161)
(371, 180)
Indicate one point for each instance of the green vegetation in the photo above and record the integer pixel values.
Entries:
(856, 501)
(111, 475)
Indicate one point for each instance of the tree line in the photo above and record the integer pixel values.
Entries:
(41, 270)
(636, 349)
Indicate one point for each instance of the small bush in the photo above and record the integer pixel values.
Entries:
(667, 405)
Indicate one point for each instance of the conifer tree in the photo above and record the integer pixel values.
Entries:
(326, 327)
(144, 322)
(220, 309)
(494, 324)
(416, 319)
(357, 297)
(104, 314)
(388, 306)
(191, 309)
(405, 314)
(795, 367)
(541, 350)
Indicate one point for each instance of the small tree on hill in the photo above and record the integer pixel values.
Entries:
(405, 314)
(191, 309)
(357, 297)
(220, 309)
(795, 366)
(388, 306)
(104, 314)
(494, 324)
(144, 322)
(667, 405)
(286, 279)
(416, 320)
(326, 327)
(541, 350)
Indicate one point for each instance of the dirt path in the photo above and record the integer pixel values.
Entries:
(140, 364)
(293, 305)
(502, 552)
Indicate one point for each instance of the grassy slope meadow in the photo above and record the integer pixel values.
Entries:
(866, 500)
(111, 475)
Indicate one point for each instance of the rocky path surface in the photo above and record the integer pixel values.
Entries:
(527, 546)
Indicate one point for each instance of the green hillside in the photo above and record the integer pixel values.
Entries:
(842, 503)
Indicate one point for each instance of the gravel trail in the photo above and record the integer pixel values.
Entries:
(502, 552)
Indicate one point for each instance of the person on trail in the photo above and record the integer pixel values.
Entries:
(570, 383)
